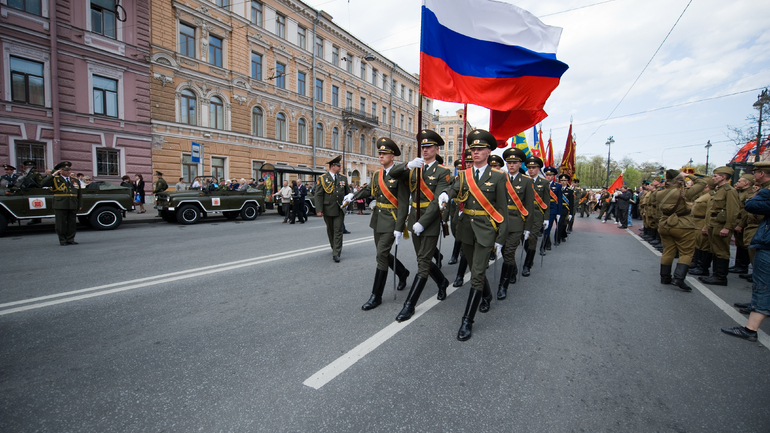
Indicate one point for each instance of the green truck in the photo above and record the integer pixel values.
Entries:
(104, 205)
(189, 206)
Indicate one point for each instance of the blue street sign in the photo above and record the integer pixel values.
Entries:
(195, 150)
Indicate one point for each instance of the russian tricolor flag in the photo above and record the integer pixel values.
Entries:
(488, 53)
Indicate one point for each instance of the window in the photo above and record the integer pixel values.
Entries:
(32, 6)
(348, 141)
(216, 113)
(335, 56)
(103, 19)
(319, 90)
(402, 91)
(256, 13)
(105, 94)
(450, 146)
(451, 131)
(280, 127)
(301, 131)
(28, 150)
(335, 96)
(318, 137)
(107, 162)
(257, 122)
(362, 105)
(280, 75)
(392, 116)
(223, 3)
(302, 37)
(301, 78)
(362, 144)
(27, 82)
(349, 63)
(441, 131)
(410, 95)
(374, 76)
(335, 138)
(401, 125)
(187, 106)
(280, 26)
(363, 70)
(374, 109)
(349, 101)
(374, 146)
(215, 51)
(410, 125)
(319, 47)
(218, 167)
(256, 66)
(186, 40)
(189, 168)
(384, 114)
(384, 82)
(460, 131)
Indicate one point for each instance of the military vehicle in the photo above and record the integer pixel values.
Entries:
(188, 207)
(104, 205)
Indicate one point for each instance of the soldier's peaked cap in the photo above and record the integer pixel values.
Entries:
(495, 159)
(63, 164)
(564, 176)
(28, 162)
(336, 160)
(479, 138)
(440, 160)
(534, 161)
(429, 137)
(514, 154)
(458, 162)
(386, 145)
(724, 170)
(9, 167)
(157, 173)
(550, 170)
(762, 165)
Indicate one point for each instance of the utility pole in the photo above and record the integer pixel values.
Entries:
(762, 99)
(609, 148)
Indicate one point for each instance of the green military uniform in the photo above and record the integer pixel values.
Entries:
(388, 217)
(67, 200)
(699, 212)
(480, 229)
(425, 219)
(605, 205)
(581, 197)
(454, 212)
(742, 258)
(520, 200)
(723, 215)
(261, 187)
(677, 230)
(542, 190)
(161, 184)
(329, 192)
(31, 178)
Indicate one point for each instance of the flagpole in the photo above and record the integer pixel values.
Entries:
(419, 154)
(465, 133)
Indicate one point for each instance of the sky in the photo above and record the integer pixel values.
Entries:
(712, 66)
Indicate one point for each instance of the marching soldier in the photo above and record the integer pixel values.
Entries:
(745, 188)
(330, 190)
(604, 202)
(67, 201)
(568, 202)
(426, 178)
(451, 215)
(388, 219)
(9, 178)
(541, 206)
(455, 209)
(677, 230)
(700, 212)
(521, 199)
(721, 223)
(555, 210)
(576, 196)
(483, 225)
(496, 161)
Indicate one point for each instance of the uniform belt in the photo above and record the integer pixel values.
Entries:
(714, 214)
(422, 204)
(475, 212)
(65, 195)
(513, 207)
(385, 206)
(700, 218)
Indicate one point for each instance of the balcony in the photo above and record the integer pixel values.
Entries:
(352, 113)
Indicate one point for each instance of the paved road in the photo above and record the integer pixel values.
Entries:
(227, 325)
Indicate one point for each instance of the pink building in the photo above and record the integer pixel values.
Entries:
(89, 103)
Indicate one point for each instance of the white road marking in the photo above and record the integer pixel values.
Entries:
(762, 337)
(76, 295)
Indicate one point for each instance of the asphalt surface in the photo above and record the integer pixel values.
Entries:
(217, 326)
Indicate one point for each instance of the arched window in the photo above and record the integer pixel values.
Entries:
(188, 104)
(374, 146)
(301, 131)
(280, 127)
(257, 125)
(348, 141)
(335, 138)
(318, 137)
(216, 113)
(362, 144)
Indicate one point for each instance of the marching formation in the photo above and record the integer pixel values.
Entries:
(491, 213)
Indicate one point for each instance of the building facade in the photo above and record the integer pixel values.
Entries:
(265, 85)
(88, 103)
(452, 129)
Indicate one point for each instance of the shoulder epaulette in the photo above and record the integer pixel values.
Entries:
(499, 171)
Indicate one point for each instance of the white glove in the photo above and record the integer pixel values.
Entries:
(498, 248)
(526, 234)
(348, 198)
(569, 218)
(558, 217)
(373, 204)
(417, 228)
(398, 236)
(415, 163)
(443, 199)
(545, 225)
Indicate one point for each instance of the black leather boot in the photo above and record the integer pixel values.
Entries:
(440, 280)
(548, 243)
(525, 271)
(680, 274)
(380, 277)
(502, 288)
(741, 262)
(556, 238)
(411, 301)
(695, 258)
(455, 252)
(461, 268)
(438, 257)
(704, 264)
(542, 246)
(719, 278)
(665, 274)
(401, 271)
(474, 298)
(513, 273)
(486, 297)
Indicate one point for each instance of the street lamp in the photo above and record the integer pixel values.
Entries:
(708, 147)
(762, 99)
(609, 148)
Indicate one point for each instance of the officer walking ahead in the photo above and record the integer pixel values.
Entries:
(541, 207)
(330, 190)
(67, 201)
(388, 219)
(483, 225)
